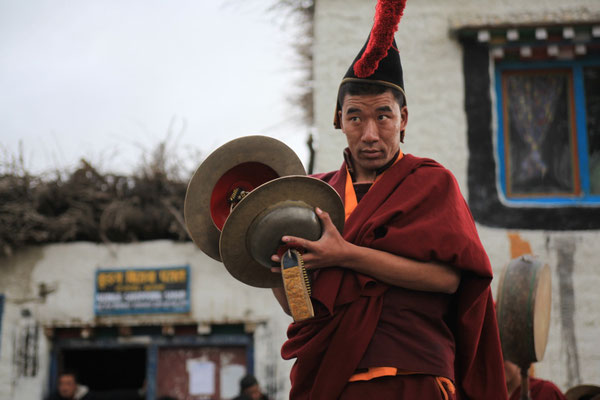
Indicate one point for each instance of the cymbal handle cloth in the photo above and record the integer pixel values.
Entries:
(296, 285)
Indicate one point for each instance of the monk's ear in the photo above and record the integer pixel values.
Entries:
(404, 114)
(340, 120)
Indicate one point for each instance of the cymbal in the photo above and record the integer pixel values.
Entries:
(246, 163)
(283, 206)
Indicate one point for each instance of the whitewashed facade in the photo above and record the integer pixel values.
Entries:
(69, 271)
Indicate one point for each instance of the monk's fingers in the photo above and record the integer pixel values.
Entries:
(275, 258)
(323, 215)
(297, 242)
(325, 220)
(276, 270)
(312, 261)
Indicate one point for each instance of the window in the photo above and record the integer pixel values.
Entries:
(548, 141)
(532, 103)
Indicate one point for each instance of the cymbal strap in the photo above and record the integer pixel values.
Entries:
(296, 285)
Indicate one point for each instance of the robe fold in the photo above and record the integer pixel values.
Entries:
(414, 210)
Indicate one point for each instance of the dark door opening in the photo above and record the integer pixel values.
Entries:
(106, 369)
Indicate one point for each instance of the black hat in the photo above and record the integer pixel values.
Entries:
(378, 62)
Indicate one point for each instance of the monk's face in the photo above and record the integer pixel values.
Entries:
(67, 386)
(372, 125)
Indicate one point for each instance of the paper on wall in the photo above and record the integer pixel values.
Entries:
(201, 376)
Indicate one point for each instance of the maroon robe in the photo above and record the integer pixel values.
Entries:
(540, 389)
(424, 217)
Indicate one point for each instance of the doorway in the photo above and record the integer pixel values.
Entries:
(103, 369)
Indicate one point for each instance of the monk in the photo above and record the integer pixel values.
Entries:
(403, 307)
(539, 389)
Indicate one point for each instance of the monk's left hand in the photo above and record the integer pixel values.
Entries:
(328, 251)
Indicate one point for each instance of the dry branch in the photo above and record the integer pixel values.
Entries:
(87, 205)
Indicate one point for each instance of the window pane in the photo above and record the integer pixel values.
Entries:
(539, 157)
(592, 100)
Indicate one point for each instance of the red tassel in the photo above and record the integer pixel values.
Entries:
(387, 18)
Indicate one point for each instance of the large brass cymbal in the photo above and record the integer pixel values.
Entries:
(246, 162)
(284, 206)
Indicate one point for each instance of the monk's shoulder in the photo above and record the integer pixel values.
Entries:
(324, 176)
(430, 173)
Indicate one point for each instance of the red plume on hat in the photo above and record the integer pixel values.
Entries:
(387, 18)
(378, 62)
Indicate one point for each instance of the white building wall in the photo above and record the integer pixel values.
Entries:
(585, 280)
(69, 269)
(431, 61)
(433, 77)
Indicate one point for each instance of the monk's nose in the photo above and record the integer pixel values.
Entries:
(370, 132)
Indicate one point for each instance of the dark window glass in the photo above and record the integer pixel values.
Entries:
(538, 133)
(592, 105)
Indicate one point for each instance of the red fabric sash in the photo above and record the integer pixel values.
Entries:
(418, 205)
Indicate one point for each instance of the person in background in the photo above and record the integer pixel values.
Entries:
(539, 389)
(250, 389)
(69, 389)
(583, 392)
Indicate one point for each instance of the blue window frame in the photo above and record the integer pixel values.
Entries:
(548, 139)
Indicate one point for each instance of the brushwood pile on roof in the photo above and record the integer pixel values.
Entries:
(87, 205)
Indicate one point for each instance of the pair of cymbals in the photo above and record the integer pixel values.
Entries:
(284, 206)
(246, 162)
(245, 196)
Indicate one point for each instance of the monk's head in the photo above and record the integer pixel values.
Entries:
(373, 118)
(67, 385)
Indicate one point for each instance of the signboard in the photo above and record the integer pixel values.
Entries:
(142, 290)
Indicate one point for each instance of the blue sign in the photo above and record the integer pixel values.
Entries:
(142, 290)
